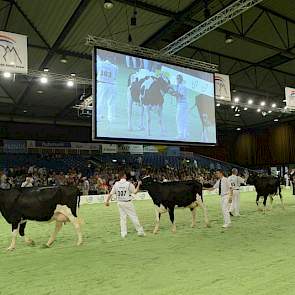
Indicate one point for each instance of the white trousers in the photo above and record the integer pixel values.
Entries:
(182, 120)
(127, 209)
(224, 209)
(235, 205)
(106, 101)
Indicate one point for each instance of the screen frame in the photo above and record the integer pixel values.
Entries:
(140, 140)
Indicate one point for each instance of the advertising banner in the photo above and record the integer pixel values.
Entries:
(13, 53)
(14, 146)
(222, 87)
(109, 148)
(290, 97)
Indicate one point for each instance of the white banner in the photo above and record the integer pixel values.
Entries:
(150, 149)
(136, 149)
(85, 145)
(222, 87)
(13, 53)
(290, 97)
(109, 148)
(143, 195)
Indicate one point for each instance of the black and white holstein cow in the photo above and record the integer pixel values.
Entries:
(265, 186)
(59, 204)
(167, 195)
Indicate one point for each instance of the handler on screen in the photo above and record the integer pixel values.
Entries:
(123, 190)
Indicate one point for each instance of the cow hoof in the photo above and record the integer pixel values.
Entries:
(79, 244)
(193, 225)
(207, 225)
(155, 232)
(30, 242)
(10, 249)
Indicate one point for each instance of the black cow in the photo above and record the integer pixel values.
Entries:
(59, 204)
(166, 196)
(265, 186)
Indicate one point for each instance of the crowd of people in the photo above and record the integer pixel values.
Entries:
(99, 178)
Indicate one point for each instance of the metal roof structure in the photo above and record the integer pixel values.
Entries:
(260, 60)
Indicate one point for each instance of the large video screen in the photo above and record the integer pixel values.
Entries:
(145, 100)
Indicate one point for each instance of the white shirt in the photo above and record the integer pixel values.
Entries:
(225, 186)
(123, 190)
(235, 181)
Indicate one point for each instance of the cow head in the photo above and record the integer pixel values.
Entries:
(146, 181)
(252, 178)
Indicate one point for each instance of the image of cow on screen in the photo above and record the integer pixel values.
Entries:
(141, 99)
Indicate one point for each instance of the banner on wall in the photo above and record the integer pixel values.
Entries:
(222, 87)
(13, 53)
(15, 146)
(52, 144)
(150, 149)
(136, 149)
(109, 148)
(290, 97)
(86, 146)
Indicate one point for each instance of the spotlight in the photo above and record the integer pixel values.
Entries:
(25, 111)
(269, 112)
(237, 115)
(262, 103)
(39, 91)
(228, 39)
(232, 107)
(108, 4)
(63, 59)
(43, 80)
(73, 74)
(245, 109)
(258, 110)
(238, 129)
(218, 104)
(234, 90)
(250, 101)
(46, 70)
(285, 108)
(237, 99)
(70, 83)
(284, 100)
(273, 105)
(6, 74)
(276, 120)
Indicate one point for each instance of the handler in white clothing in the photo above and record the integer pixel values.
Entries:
(235, 183)
(225, 192)
(123, 190)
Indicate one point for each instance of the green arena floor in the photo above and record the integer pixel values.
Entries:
(255, 256)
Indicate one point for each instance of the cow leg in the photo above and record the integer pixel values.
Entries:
(15, 230)
(58, 226)
(77, 227)
(264, 204)
(193, 210)
(271, 202)
(202, 205)
(171, 215)
(22, 227)
(257, 203)
(157, 223)
(130, 106)
(281, 198)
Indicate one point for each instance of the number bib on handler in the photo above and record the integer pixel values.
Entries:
(122, 190)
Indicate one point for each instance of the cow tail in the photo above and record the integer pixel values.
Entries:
(80, 219)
